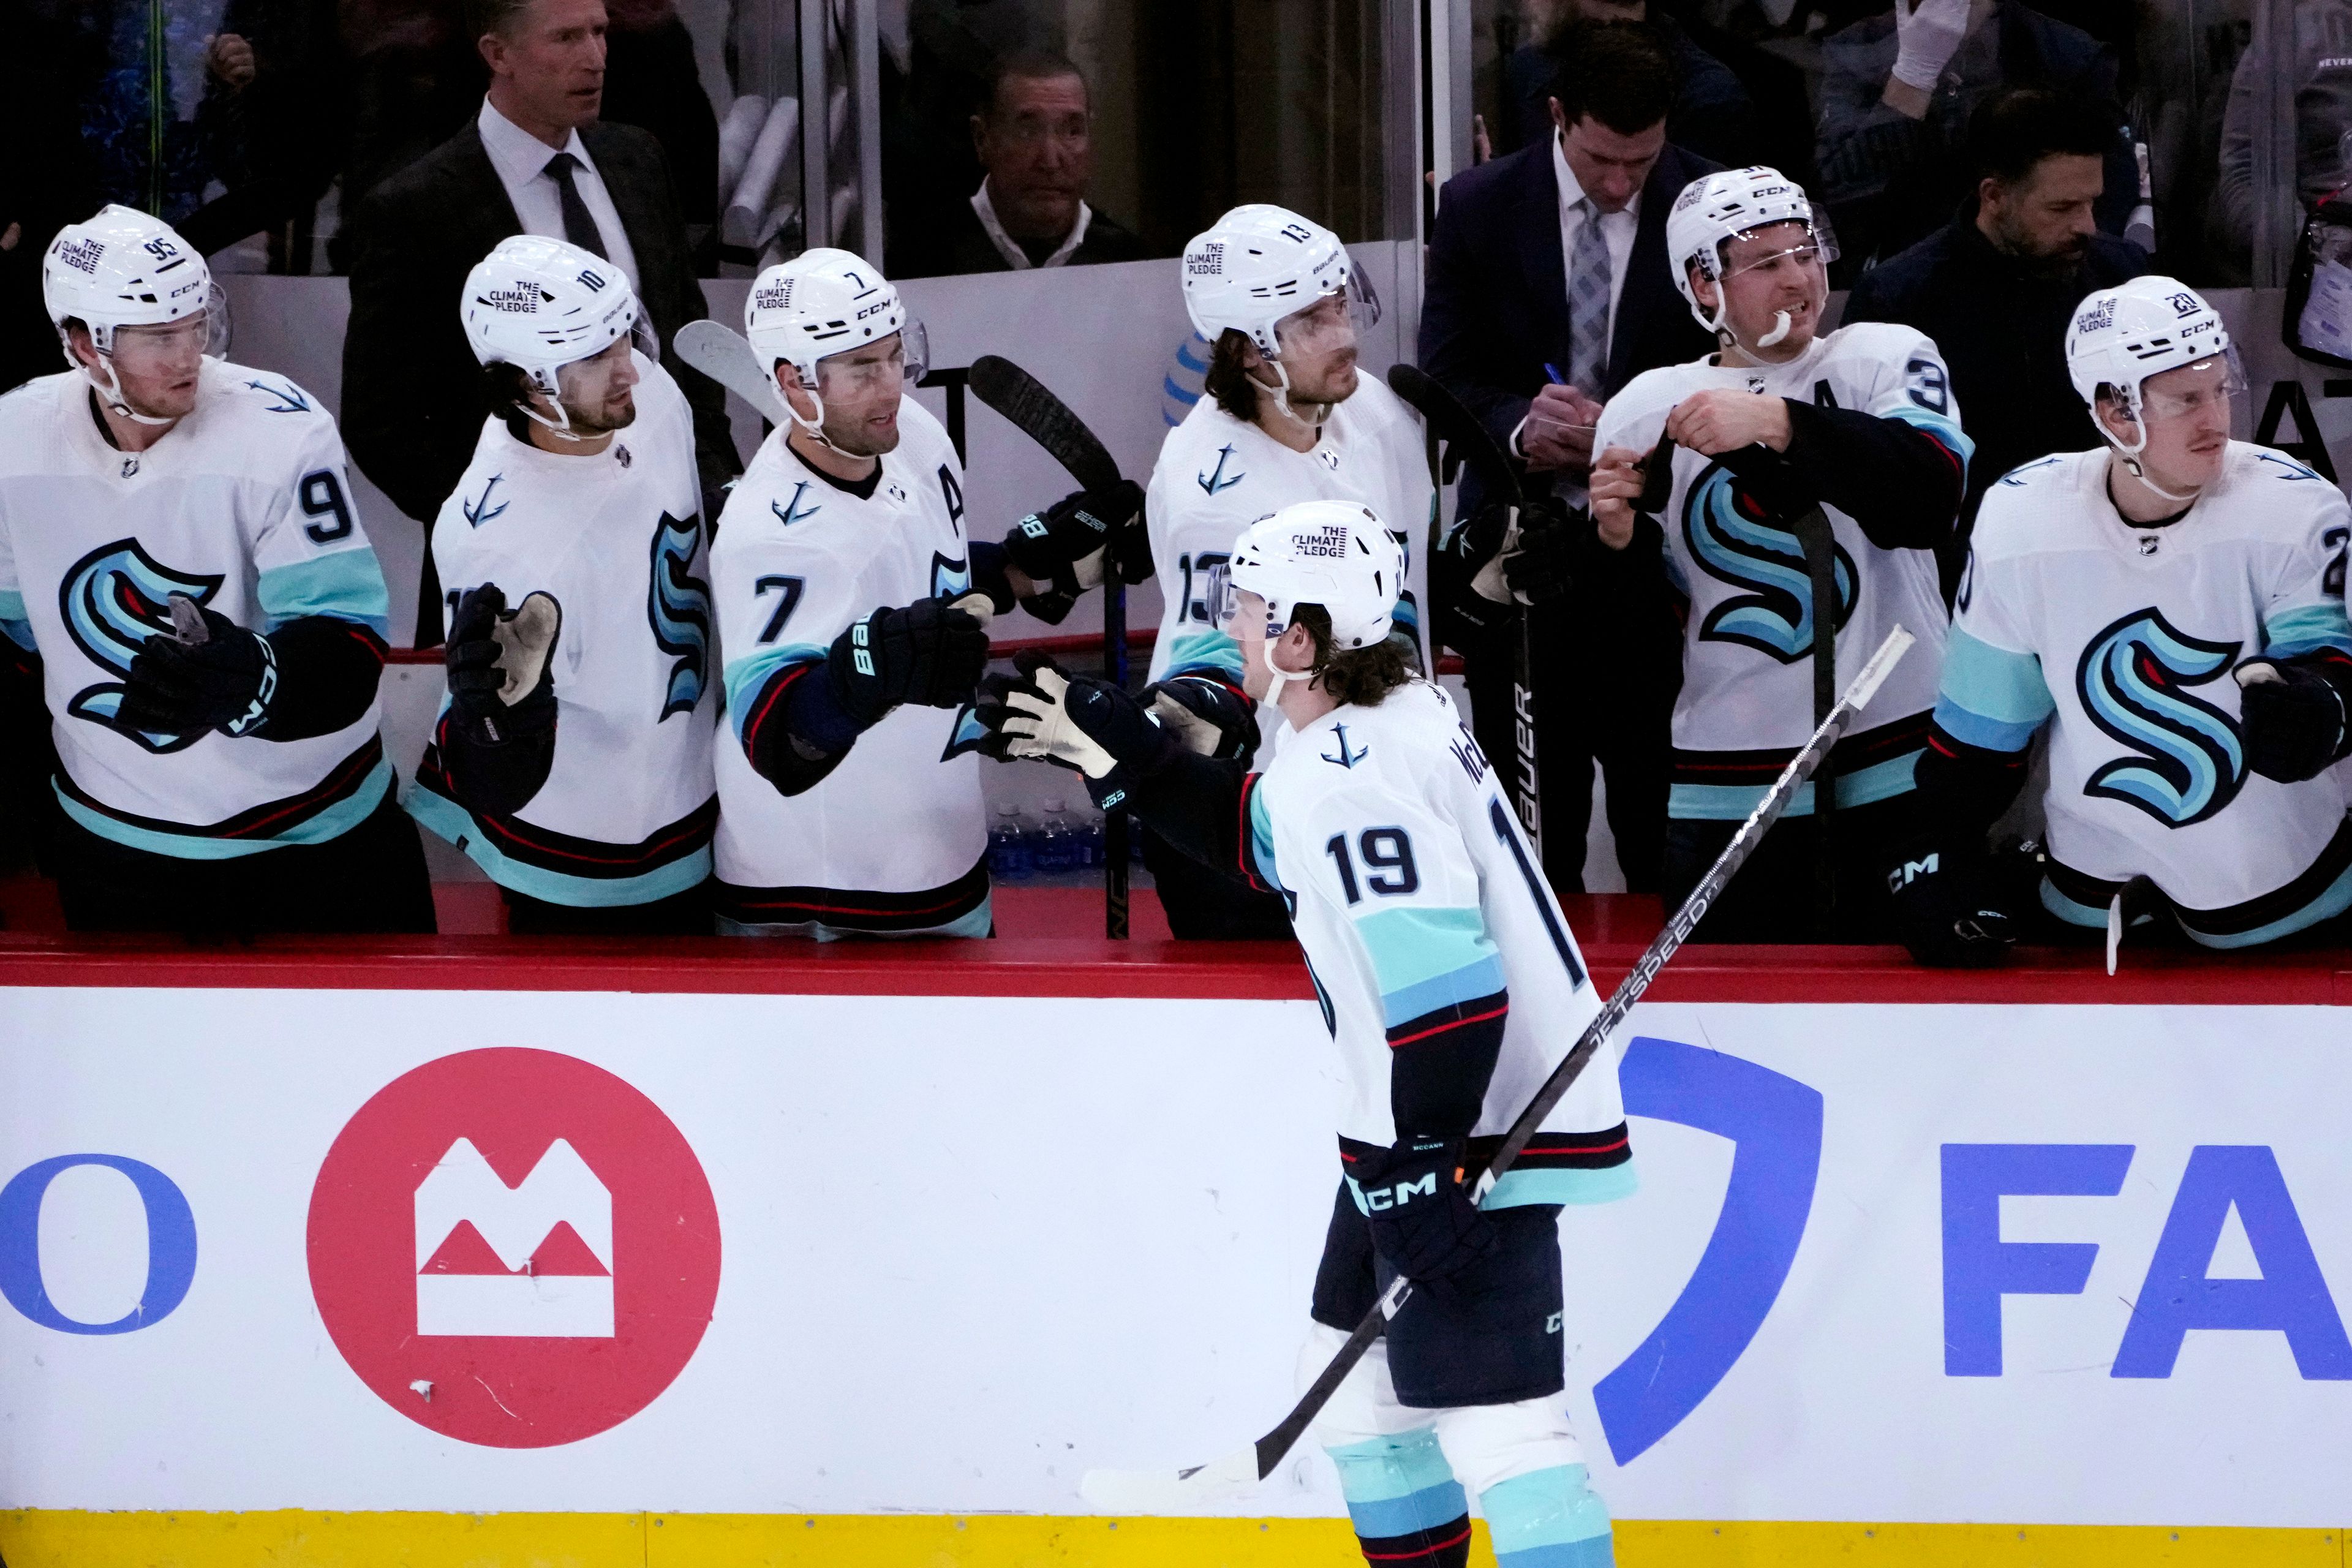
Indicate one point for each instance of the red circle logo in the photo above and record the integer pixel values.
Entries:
(513, 1248)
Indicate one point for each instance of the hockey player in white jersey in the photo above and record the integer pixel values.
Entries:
(1287, 417)
(2170, 608)
(1859, 423)
(573, 758)
(1451, 987)
(184, 579)
(852, 607)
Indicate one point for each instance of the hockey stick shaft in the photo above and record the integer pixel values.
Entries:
(1115, 822)
(1278, 1442)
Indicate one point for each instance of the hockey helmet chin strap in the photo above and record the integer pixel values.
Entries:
(1282, 676)
(111, 389)
(1281, 391)
(561, 426)
(2129, 456)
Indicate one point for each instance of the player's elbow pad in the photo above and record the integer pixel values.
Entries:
(1440, 1062)
(797, 734)
(328, 669)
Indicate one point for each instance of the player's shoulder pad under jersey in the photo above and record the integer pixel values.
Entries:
(2039, 505)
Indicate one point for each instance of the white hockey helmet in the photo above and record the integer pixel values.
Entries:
(1723, 206)
(124, 268)
(540, 304)
(2120, 337)
(1334, 553)
(1260, 263)
(825, 302)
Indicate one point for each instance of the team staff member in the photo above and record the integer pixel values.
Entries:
(182, 569)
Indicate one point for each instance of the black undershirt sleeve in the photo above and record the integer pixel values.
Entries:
(328, 669)
(1902, 485)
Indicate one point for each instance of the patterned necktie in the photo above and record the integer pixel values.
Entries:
(579, 225)
(1588, 304)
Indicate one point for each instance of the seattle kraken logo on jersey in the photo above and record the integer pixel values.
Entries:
(1215, 480)
(951, 577)
(113, 600)
(290, 398)
(791, 510)
(1349, 756)
(479, 510)
(1734, 542)
(2134, 680)
(680, 609)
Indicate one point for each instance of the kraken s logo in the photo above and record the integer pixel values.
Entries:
(1734, 541)
(679, 606)
(2134, 680)
(113, 600)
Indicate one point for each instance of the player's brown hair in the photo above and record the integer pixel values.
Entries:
(1228, 381)
(1362, 676)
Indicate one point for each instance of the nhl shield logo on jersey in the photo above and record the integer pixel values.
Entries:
(2134, 680)
(678, 606)
(1734, 541)
(113, 600)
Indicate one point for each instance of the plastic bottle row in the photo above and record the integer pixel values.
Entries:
(1054, 843)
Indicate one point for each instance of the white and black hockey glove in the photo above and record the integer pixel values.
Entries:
(1209, 714)
(1425, 1225)
(2294, 714)
(501, 679)
(930, 653)
(1091, 726)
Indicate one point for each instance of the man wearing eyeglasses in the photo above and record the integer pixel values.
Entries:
(2170, 606)
(1034, 136)
(1782, 421)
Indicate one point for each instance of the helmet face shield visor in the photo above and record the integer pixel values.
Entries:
(896, 361)
(1230, 608)
(1778, 246)
(2204, 386)
(162, 347)
(1335, 320)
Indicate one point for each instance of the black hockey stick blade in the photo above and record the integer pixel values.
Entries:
(1045, 418)
(1232, 1475)
(1458, 428)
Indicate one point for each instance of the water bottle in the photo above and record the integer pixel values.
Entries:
(1088, 829)
(1008, 846)
(1056, 850)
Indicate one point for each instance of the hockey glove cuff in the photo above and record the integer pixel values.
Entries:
(1944, 910)
(209, 674)
(2294, 714)
(501, 681)
(1210, 716)
(1424, 1223)
(930, 653)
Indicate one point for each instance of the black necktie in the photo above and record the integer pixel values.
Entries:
(579, 227)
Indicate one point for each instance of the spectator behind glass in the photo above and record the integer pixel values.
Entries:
(1033, 137)
(1897, 90)
(533, 161)
(1994, 287)
(1711, 116)
(2321, 70)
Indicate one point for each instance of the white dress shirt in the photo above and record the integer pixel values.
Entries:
(1617, 232)
(521, 160)
(1010, 249)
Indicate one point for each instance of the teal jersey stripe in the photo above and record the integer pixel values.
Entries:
(1412, 948)
(2007, 688)
(453, 822)
(1204, 650)
(747, 675)
(1483, 978)
(332, 823)
(2067, 910)
(1262, 839)
(1732, 803)
(1425, 1509)
(347, 584)
(1991, 735)
(1519, 1189)
(2330, 904)
(1553, 1507)
(13, 621)
(2306, 628)
(1943, 429)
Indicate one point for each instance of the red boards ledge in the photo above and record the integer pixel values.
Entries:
(1050, 967)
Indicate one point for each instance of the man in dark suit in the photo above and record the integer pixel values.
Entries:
(1548, 290)
(1996, 286)
(534, 162)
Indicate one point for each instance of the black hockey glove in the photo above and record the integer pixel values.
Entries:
(1213, 717)
(1072, 543)
(501, 665)
(2293, 715)
(928, 654)
(209, 674)
(1943, 911)
(1091, 726)
(1424, 1223)
(1530, 566)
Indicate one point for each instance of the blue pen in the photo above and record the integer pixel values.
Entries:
(1552, 371)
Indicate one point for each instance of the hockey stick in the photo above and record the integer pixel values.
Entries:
(1460, 429)
(721, 352)
(1046, 419)
(1235, 1474)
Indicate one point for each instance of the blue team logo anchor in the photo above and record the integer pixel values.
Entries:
(478, 512)
(790, 513)
(1215, 480)
(1346, 759)
(2134, 682)
(1734, 542)
(113, 600)
(290, 398)
(679, 606)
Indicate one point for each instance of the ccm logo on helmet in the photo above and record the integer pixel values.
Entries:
(81, 253)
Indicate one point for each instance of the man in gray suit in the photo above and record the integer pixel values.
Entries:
(535, 160)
